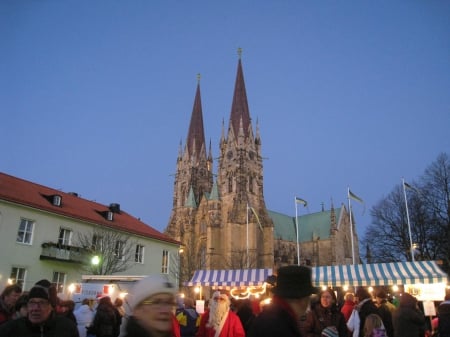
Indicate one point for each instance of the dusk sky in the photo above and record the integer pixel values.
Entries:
(96, 96)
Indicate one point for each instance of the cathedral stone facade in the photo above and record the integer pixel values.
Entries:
(222, 219)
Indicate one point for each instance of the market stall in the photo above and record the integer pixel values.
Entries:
(376, 274)
(230, 278)
(379, 274)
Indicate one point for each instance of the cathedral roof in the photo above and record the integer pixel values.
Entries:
(314, 225)
(196, 134)
(239, 107)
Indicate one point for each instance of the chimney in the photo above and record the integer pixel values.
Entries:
(115, 208)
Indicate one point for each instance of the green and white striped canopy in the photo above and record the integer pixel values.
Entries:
(378, 274)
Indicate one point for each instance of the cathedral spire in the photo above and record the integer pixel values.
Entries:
(239, 107)
(196, 136)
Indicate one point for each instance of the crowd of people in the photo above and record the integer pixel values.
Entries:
(155, 310)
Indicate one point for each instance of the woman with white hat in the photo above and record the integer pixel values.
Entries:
(152, 304)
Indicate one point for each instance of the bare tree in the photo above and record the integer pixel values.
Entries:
(115, 251)
(387, 238)
(242, 259)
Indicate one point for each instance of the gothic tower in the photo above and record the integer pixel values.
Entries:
(248, 229)
(222, 223)
(193, 176)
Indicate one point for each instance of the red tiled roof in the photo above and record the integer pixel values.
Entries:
(33, 195)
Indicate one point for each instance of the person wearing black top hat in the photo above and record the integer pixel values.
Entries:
(289, 303)
(41, 320)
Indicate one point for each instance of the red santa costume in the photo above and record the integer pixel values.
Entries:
(219, 320)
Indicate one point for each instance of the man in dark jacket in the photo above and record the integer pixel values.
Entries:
(365, 307)
(41, 320)
(444, 317)
(385, 312)
(289, 304)
(408, 320)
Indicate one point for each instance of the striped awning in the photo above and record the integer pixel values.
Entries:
(378, 274)
(229, 278)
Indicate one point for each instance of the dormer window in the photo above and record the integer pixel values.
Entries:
(56, 200)
(110, 216)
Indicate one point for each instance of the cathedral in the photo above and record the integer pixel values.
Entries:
(222, 219)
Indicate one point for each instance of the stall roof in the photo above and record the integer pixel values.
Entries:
(229, 278)
(376, 274)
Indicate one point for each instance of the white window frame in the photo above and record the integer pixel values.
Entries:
(165, 262)
(139, 254)
(25, 231)
(59, 281)
(65, 236)
(97, 243)
(119, 250)
(18, 275)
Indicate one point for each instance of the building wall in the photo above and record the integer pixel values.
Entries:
(46, 229)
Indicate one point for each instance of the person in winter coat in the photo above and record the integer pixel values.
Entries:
(84, 316)
(289, 303)
(408, 320)
(374, 327)
(245, 314)
(8, 300)
(66, 308)
(385, 310)
(105, 320)
(152, 304)
(21, 307)
(365, 307)
(41, 320)
(444, 317)
(323, 315)
(187, 317)
(348, 306)
(220, 320)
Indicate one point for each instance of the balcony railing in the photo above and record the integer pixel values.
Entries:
(60, 252)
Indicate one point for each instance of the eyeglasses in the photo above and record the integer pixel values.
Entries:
(38, 304)
(218, 299)
(159, 302)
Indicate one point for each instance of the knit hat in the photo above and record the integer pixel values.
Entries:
(330, 331)
(294, 282)
(39, 292)
(148, 286)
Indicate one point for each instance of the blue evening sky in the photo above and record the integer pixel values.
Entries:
(95, 96)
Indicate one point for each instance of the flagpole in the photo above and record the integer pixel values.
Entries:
(351, 224)
(247, 239)
(296, 228)
(409, 225)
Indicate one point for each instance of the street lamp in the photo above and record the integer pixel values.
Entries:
(95, 260)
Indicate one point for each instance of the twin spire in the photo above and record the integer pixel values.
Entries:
(239, 116)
